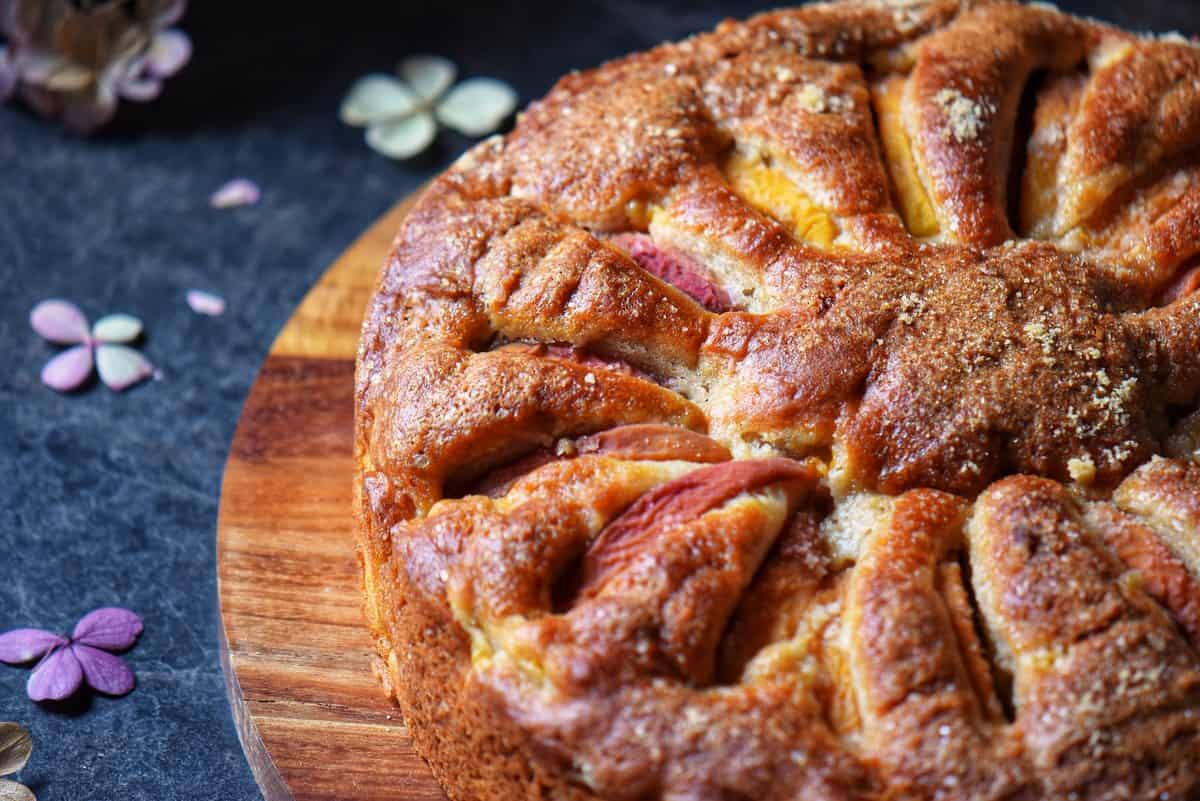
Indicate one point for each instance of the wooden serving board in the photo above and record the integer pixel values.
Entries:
(312, 719)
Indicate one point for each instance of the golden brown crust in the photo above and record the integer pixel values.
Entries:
(661, 397)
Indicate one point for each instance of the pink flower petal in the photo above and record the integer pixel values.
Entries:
(56, 677)
(59, 321)
(140, 89)
(69, 369)
(103, 671)
(205, 302)
(24, 645)
(169, 51)
(238, 192)
(121, 367)
(109, 627)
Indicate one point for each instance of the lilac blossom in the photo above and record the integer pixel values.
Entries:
(66, 663)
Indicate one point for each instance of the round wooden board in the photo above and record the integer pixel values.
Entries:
(312, 719)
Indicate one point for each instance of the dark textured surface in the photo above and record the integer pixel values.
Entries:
(112, 499)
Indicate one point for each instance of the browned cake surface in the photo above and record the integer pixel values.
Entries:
(805, 410)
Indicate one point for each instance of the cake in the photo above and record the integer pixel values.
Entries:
(804, 410)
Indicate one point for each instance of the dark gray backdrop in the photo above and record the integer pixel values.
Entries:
(108, 499)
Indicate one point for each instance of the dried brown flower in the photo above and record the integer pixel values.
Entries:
(75, 59)
(15, 747)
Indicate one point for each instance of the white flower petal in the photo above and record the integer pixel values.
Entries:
(477, 106)
(169, 51)
(140, 89)
(429, 76)
(117, 328)
(121, 367)
(402, 139)
(375, 98)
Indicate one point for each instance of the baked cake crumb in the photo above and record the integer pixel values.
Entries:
(1082, 470)
(911, 306)
(966, 117)
(816, 100)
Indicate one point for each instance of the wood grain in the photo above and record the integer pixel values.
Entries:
(312, 719)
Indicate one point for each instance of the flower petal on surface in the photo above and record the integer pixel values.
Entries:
(117, 328)
(429, 76)
(8, 75)
(377, 97)
(56, 677)
(401, 139)
(15, 747)
(59, 321)
(203, 302)
(169, 51)
(121, 367)
(69, 369)
(25, 645)
(238, 192)
(15, 791)
(108, 627)
(477, 106)
(104, 672)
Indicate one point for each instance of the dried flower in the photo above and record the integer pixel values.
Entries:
(202, 302)
(62, 322)
(66, 662)
(74, 60)
(401, 114)
(238, 192)
(15, 748)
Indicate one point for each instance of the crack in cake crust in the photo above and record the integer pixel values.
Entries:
(662, 398)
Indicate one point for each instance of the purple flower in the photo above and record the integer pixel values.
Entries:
(62, 322)
(66, 662)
